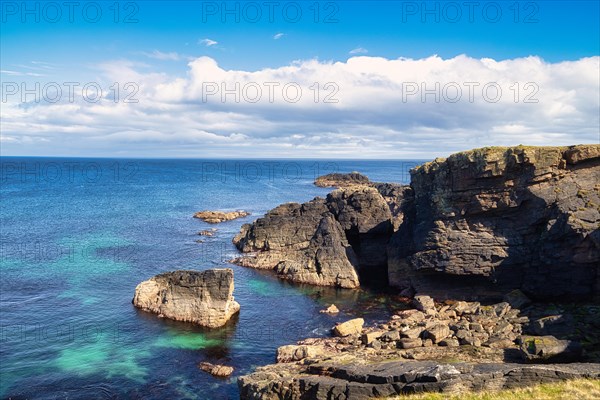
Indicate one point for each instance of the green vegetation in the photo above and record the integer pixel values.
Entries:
(580, 389)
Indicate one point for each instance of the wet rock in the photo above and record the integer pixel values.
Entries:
(201, 297)
(351, 327)
(220, 371)
(215, 217)
(207, 232)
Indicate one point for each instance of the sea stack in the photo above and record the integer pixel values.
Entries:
(201, 297)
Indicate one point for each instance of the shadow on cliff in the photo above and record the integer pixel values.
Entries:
(545, 255)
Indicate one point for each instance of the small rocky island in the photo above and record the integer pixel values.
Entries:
(492, 245)
(216, 217)
(204, 298)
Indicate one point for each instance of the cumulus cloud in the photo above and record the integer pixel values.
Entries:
(208, 42)
(358, 50)
(364, 107)
(278, 36)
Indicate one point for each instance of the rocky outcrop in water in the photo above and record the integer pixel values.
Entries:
(215, 217)
(204, 298)
(438, 348)
(520, 217)
(342, 180)
(323, 242)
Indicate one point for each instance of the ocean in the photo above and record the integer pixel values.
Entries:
(77, 236)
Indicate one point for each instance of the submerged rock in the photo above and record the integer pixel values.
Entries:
(215, 217)
(204, 298)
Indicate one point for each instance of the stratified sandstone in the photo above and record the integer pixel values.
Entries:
(204, 298)
(215, 217)
(518, 218)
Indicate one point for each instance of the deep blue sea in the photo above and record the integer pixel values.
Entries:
(77, 236)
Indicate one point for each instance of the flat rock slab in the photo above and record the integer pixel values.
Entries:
(356, 382)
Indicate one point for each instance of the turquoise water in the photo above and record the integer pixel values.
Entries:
(77, 236)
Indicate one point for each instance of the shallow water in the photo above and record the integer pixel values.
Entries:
(77, 236)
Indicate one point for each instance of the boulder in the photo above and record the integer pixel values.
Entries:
(220, 371)
(291, 353)
(201, 297)
(332, 309)
(544, 349)
(424, 303)
(437, 332)
(215, 217)
(351, 327)
(517, 299)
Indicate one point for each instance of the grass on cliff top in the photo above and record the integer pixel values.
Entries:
(579, 389)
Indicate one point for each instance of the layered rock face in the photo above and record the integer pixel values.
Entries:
(521, 217)
(325, 241)
(204, 298)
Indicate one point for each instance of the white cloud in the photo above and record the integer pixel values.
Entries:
(392, 108)
(278, 36)
(358, 50)
(208, 42)
(159, 55)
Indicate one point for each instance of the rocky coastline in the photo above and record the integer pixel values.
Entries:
(502, 238)
(435, 347)
(479, 223)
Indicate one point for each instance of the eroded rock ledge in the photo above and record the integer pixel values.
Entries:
(204, 298)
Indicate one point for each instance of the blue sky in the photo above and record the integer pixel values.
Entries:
(153, 38)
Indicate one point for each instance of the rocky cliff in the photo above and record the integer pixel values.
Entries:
(204, 298)
(519, 217)
(479, 223)
(328, 241)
